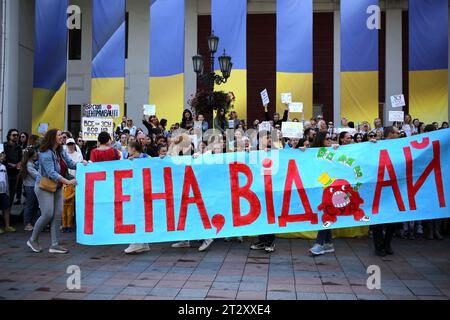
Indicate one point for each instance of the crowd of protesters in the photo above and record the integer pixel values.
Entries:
(42, 169)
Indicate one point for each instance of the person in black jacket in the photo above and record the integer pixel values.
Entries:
(152, 125)
(13, 157)
(276, 116)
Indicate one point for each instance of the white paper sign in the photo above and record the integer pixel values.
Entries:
(43, 128)
(194, 140)
(352, 131)
(230, 124)
(398, 101)
(198, 125)
(286, 98)
(265, 126)
(292, 129)
(101, 111)
(265, 97)
(398, 116)
(2, 148)
(149, 110)
(296, 107)
(91, 127)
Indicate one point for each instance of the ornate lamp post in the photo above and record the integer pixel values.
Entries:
(210, 79)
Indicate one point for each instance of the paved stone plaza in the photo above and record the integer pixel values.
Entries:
(420, 269)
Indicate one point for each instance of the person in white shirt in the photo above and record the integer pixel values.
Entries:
(130, 127)
(74, 154)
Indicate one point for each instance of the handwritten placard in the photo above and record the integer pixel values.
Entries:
(91, 127)
(149, 110)
(292, 129)
(43, 128)
(265, 126)
(398, 101)
(286, 98)
(265, 97)
(101, 111)
(396, 116)
(296, 107)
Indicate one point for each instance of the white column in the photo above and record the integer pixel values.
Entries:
(337, 68)
(10, 103)
(191, 42)
(394, 67)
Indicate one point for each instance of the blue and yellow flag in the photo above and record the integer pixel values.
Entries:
(50, 64)
(229, 23)
(108, 53)
(166, 84)
(295, 52)
(359, 62)
(428, 60)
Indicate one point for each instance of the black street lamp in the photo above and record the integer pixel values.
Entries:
(210, 79)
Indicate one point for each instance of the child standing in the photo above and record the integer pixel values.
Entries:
(68, 208)
(4, 197)
(29, 173)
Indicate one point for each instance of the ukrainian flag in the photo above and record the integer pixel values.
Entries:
(166, 84)
(359, 62)
(428, 60)
(108, 53)
(295, 53)
(229, 23)
(50, 64)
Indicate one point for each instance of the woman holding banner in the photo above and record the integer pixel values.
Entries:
(53, 167)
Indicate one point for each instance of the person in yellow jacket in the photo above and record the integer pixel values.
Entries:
(68, 208)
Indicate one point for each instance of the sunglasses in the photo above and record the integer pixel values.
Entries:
(371, 136)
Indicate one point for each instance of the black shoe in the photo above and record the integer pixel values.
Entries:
(388, 251)
(380, 252)
(270, 247)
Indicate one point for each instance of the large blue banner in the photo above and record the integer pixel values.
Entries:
(238, 194)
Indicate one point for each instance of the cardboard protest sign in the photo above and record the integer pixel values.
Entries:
(43, 128)
(398, 116)
(398, 101)
(286, 98)
(291, 129)
(265, 97)
(91, 127)
(296, 107)
(149, 110)
(100, 111)
(254, 193)
(265, 126)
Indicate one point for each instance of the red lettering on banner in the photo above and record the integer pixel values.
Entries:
(119, 199)
(434, 165)
(238, 192)
(149, 196)
(190, 182)
(267, 163)
(386, 163)
(293, 176)
(89, 199)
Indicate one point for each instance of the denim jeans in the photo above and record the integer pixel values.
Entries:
(31, 210)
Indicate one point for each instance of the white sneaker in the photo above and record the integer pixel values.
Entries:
(137, 248)
(327, 224)
(365, 219)
(28, 227)
(205, 245)
(182, 244)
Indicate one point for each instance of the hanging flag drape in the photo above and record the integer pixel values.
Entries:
(50, 64)
(108, 53)
(428, 60)
(295, 53)
(229, 23)
(166, 85)
(359, 61)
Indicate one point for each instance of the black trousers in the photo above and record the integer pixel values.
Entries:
(12, 181)
(267, 238)
(383, 241)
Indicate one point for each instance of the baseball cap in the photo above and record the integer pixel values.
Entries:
(70, 141)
